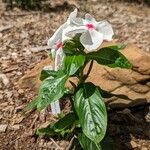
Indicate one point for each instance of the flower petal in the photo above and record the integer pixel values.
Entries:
(90, 18)
(73, 14)
(71, 31)
(59, 58)
(91, 40)
(53, 53)
(57, 35)
(74, 20)
(106, 29)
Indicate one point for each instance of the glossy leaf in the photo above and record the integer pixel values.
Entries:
(91, 111)
(73, 46)
(50, 91)
(47, 73)
(61, 127)
(110, 57)
(73, 63)
(86, 143)
(117, 47)
(48, 131)
(65, 122)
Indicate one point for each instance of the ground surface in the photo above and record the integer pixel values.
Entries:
(26, 30)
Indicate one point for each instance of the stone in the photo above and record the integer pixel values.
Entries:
(144, 148)
(132, 83)
(31, 79)
(3, 127)
(133, 144)
(15, 127)
(4, 79)
(147, 116)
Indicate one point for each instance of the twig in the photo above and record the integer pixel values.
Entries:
(70, 143)
(23, 14)
(41, 48)
(6, 28)
(36, 117)
(56, 144)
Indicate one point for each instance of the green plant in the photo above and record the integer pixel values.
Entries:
(87, 120)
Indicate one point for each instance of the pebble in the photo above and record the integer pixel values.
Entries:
(144, 148)
(1, 35)
(3, 127)
(20, 91)
(8, 94)
(1, 96)
(4, 79)
(147, 117)
(14, 55)
(133, 144)
(15, 127)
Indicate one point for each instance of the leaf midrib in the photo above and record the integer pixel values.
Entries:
(102, 58)
(89, 106)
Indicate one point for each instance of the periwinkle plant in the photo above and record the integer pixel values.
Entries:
(74, 45)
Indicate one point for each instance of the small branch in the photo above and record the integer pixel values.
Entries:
(33, 122)
(20, 14)
(6, 28)
(70, 143)
(71, 101)
(56, 144)
(41, 48)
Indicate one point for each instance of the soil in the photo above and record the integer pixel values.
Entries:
(21, 32)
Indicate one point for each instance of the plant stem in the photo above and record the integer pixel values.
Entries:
(71, 101)
(88, 72)
(90, 68)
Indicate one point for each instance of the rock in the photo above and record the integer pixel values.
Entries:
(133, 83)
(3, 127)
(31, 79)
(147, 116)
(20, 91)
(4, 79)
(133, 144)
(8, 94)
(15, 127)
(144, 148)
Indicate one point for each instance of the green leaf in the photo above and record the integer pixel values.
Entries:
(91, 111)
(73, 63)
(117, 47)
(48, 131)
(86, 143)
(50, 91)
(31, 105)
(73, 46)
(61, 127)
(65, 123)
(110, 57)
(47, 73)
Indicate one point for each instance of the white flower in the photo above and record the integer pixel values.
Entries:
(56, 41)
(93, 32)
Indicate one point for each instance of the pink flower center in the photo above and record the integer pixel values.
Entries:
(90, 26)
(59, 45)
